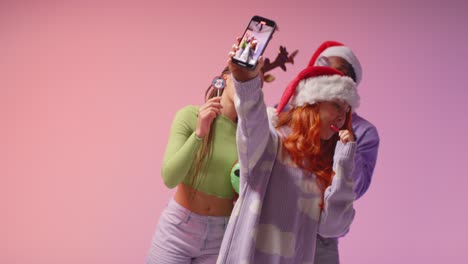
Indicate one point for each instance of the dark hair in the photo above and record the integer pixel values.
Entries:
(350, 69)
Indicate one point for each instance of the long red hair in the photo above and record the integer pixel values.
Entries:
(304, 145)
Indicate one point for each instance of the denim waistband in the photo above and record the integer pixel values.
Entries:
(189, 215)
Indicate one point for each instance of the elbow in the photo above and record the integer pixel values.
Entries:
(361, 188)
(363, 181)
(167, 179)
(169, 184)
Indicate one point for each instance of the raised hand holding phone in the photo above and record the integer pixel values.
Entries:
(240, 73)
(254, 41)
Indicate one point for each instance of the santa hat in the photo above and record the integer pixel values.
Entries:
(334, 48)
(317, 83)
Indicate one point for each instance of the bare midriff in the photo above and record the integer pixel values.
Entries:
(202, 203)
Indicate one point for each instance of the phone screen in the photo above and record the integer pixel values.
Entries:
(254, 41)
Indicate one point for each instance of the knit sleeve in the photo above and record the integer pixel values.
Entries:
(255, 135)
(338, 211)
(182, 147)
(365, 160)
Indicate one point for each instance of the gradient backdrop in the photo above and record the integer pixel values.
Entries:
(88, 91)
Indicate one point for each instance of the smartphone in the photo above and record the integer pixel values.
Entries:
(254, 41)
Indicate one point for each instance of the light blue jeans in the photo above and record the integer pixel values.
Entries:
(185, 237)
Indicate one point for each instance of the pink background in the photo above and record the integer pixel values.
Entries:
(89, 90)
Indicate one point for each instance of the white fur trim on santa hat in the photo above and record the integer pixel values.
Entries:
(345, 53)
(326, 88)
(272, 115)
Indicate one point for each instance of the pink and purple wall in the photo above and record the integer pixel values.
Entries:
(88, 91)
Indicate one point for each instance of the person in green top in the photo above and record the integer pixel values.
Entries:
(198, 159)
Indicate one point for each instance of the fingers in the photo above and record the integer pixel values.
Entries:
(212, 106)
(343, 136)
(215, 109)
(212, 103)
(216, 99)
(207, 115)
(346, 136)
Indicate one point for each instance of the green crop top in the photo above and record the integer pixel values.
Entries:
(184, 144)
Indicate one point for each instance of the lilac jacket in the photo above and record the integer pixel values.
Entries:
(367, 140)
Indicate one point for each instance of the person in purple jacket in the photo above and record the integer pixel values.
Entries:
(295, 167)
(336, 55)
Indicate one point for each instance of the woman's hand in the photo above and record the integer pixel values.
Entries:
(243, 74)
(206, 114)
(346, 136)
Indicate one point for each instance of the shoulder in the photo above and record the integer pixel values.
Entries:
(359, 122)
(186, 116)
(188, 111)
(364, 129)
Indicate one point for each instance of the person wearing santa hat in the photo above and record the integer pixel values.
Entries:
(336, 55)
(295, 166)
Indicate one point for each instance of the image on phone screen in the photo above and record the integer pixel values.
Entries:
(253, 42)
